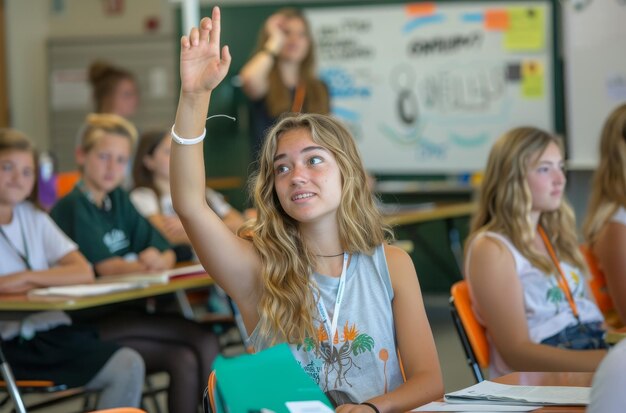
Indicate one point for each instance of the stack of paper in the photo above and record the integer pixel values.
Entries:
(84, 290)
(157, 277)
(488, 392)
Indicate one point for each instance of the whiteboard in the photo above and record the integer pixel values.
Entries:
(428, 87)
(595, 72)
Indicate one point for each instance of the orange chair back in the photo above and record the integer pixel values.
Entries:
(472, 334)
(598, 286)
(66, 182)
(597, 281)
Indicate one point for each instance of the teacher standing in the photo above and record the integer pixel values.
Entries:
(280, 77)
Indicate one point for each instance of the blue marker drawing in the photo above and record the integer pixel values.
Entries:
(341, 84)
(472, 18)
(345, 113)
(469, 141)
(422, 21)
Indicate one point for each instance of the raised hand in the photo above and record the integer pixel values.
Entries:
(201, 66)
(276, 31)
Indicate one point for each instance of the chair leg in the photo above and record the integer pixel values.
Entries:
(151, 393)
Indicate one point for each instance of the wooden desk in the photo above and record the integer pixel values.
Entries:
(445, 211)
(29, 303)
(224, 182)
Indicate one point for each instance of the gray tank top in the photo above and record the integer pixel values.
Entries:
(363, 362)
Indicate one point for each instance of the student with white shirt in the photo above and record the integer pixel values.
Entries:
(34, 253)
(525, 272)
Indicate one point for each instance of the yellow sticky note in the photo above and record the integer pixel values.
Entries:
(526, 29)
(532, 79)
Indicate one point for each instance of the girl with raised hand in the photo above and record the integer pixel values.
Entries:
(35, 253)
(99, 216)
(525, 273)
(605, 225)
(314, 270)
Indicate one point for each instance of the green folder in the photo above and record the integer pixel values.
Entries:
(265, 380)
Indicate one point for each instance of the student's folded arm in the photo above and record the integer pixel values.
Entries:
(166, 225)
(117, 266)
(610, 252)
(416, 345)
(230, 260)
(499, 296)
(72, 268)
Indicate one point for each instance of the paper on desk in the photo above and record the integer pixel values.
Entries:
(490, 392)
(157, 277)
(84, 290)
(474, 407)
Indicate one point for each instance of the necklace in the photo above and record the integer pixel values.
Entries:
(329, 256)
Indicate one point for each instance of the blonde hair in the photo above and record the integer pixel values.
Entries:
(505, 201)
(99, 124)
(279, 97)
(14, 140)
(287, 301)
(608, 191)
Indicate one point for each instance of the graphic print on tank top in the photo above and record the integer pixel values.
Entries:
(330, 367)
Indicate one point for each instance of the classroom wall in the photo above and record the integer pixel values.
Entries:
(30, 23)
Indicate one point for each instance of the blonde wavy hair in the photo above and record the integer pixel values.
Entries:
(505, 201)
(288, 302)
(279, 97)
(608, 191)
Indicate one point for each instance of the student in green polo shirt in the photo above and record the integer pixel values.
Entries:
(116, 239)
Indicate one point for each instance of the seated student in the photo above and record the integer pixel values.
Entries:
(100, 218)
(152, 198)
(534, 304)
(605, 225)
(317, 230)
(609, 382)
(34, 253)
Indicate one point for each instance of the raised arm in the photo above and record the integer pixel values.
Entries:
(230, 260)
(609, 248)
(255, 73)
(499, 296)
(424, 382)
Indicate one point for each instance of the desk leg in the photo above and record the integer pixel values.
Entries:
(183, 304)
(9, 380)
(454, 238)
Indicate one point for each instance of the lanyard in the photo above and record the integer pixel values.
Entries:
(298, 99)
(332, 328)
(561, 278)
(23, 257)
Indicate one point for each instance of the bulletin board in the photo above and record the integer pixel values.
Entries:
(595, 75)
(428, 87)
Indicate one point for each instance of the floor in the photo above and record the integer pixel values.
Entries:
(456, 373)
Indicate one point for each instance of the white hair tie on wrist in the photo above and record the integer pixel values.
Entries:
(190, 141)
(193, 141)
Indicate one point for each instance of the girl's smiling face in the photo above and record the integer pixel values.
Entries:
(307, 177)
(17, 176)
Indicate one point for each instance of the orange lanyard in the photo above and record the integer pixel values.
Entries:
(561, 278)
(298, 99)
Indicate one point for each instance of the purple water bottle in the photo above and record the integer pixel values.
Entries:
(47, 181)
